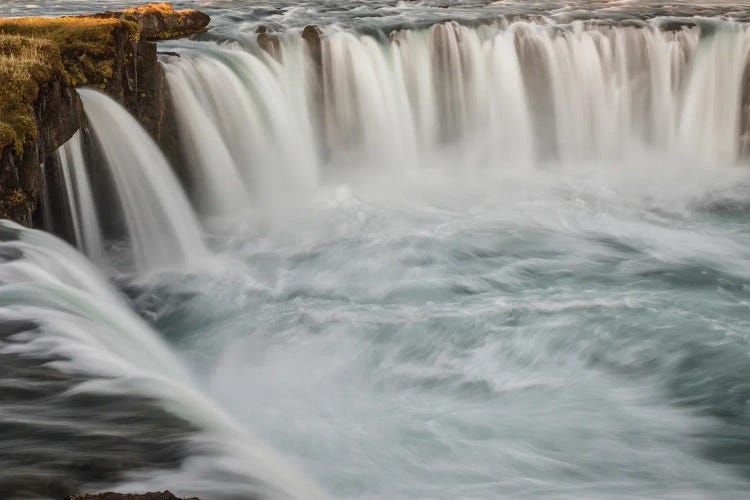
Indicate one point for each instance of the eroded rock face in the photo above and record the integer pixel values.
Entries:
(164, 495)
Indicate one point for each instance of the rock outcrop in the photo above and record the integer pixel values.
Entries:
(269, 42)
(39, 111)
(162, 21)
(43, 60)
(164, 495)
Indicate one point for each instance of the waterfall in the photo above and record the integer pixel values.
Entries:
(259, 129)
(495, 95)
(79, 193)
(514, 247)
(245, 126)
(87, 329)
(162, 226)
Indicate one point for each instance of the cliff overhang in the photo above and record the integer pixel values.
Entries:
(43, 61)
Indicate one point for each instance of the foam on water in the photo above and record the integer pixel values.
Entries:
(534, 335)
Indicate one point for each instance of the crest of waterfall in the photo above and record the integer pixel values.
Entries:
(88, 329)
(162, 226)
(501, 94)
(79, 193)
(245, 126)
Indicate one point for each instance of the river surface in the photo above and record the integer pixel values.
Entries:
(502, 258)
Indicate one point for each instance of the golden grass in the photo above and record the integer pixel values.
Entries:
(80, 49)
(25, 63)
(174, 23)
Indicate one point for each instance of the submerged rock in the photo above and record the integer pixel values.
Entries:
(677, 24)
(164, 495)
(90, 49)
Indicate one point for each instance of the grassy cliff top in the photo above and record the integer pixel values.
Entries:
(86, 44)
(25, 63)
(33, 51)
(66, 30)
(163, 8)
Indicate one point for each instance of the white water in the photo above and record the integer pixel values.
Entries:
(163, 229)
(507, 261)
(506, 95)
(86, 228)
(87, 325)
(246, 128)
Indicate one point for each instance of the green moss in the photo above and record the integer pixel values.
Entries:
(172, 23)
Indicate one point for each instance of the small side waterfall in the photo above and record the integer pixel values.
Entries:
(78, 320)
(246, 125)
(162, 226)
(83, 212)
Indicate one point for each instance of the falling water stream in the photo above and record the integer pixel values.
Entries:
(461, 251)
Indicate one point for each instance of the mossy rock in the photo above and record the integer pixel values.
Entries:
(25, 65)
(82, 50)
(33, 51)
(162, 22)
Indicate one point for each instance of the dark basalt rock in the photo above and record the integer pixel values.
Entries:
(164, 495)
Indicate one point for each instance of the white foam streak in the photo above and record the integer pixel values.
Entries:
(86, 228)
(163, 228)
